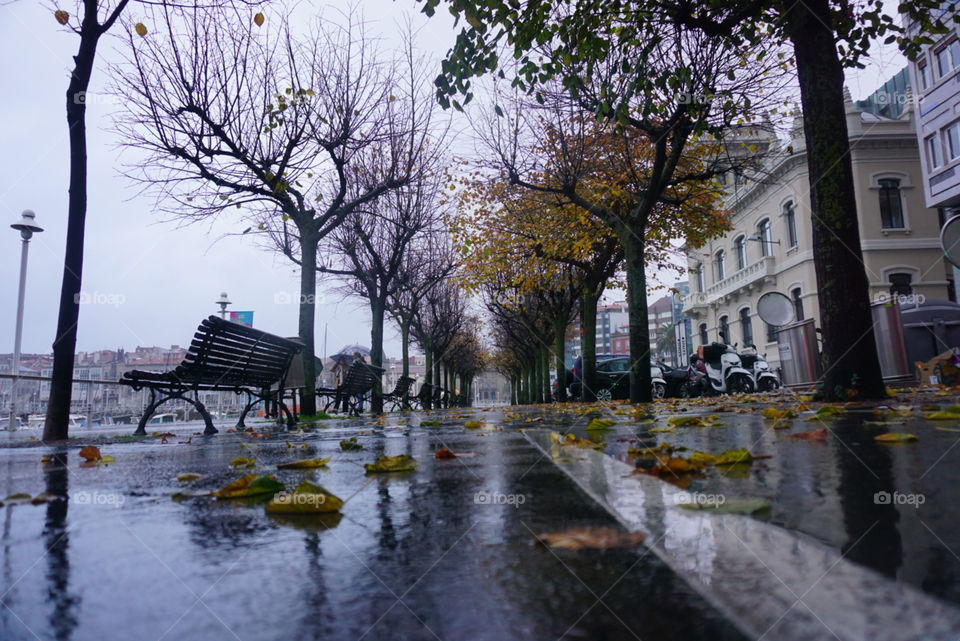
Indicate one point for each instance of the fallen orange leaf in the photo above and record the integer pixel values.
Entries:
(596, 538)
(812, 435)
(90, 453)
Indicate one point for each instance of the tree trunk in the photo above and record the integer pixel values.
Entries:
(588, 346)
(307, 321)
(56, 425)
(560, 338)
(640, 381)
(428, 377)
(514, 384)
(405, 345)
(377, 310)
(545, 391)
(528, 396)
(852, 364)
(539, 376)
(436, 377)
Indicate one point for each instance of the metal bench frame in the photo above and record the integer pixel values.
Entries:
(354, 390)
(399, 398)
(223, 356)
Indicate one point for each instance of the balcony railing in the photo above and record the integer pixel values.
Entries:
(746, 277)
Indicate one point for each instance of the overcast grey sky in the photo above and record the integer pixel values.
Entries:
(148, 281)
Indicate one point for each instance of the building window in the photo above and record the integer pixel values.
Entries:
(933, 151)
(703, 334)
(952, 134)
(746, 325)
(790, 220)
(797, 303)
(724, 329)
(771, 332)
(948, 58)
(891, 207)
(721, 271)
(923, 73)
(900, 284)
(740, 245)
(766, 237)
(699, 272)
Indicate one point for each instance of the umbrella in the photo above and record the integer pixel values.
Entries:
(346, 353)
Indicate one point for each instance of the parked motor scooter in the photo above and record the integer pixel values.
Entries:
(675, 380)
(725, 373)
(765, 380)
(657, 381)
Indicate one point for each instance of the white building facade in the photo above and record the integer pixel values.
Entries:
(770, 246)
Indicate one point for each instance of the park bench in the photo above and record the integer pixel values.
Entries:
(441, 397)
(418, 402)
(399, 398)
(354, 390)
(223, 356)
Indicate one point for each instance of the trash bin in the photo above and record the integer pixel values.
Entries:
(891, 348)
(799, 353)
(930, 327)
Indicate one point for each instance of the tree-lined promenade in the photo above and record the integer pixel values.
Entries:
(602, 133)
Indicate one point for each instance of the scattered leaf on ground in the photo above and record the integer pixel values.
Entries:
(776, 413)
(306, 498)
(304, 464)
(895, 437)
(444, 452)
(811, 435)
(249, 485)
(243, 461)
(733, 457)
(186, 477)
(944, 416)
(401, 463)
(429, 423)
(473, 425)
(90, 453)
(600, 424)
(591, 538)
(350, 445)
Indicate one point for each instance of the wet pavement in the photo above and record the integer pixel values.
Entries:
(448, 551)
(444, 552)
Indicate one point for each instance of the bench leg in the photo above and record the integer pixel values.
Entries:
(207, 419)
(147, 413)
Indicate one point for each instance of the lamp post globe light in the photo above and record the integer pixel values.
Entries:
(223, 301)
(27, 227)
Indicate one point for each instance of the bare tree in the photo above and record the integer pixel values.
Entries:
(372, 248)
(299, 133)
(426, 265)
(90, 21)
(440, 316)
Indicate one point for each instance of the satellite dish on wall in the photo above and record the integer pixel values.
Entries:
(950, 241)
(776, 309)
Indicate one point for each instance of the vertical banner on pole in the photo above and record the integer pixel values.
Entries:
(680, 330)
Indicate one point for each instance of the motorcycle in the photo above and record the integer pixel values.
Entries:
(658, 381)
(724, 371)
(675, 380)
(764, 378)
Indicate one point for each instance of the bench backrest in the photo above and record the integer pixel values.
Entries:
(360, 378)
(403, 386)
(226, 353)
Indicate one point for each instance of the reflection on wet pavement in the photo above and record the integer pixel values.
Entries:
(435, 553)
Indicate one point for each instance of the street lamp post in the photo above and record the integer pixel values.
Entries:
(223, 301)
(27, 227)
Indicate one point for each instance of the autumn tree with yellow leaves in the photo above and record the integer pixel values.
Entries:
(569, 198)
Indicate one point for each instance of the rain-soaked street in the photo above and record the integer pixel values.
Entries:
(449, 551)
